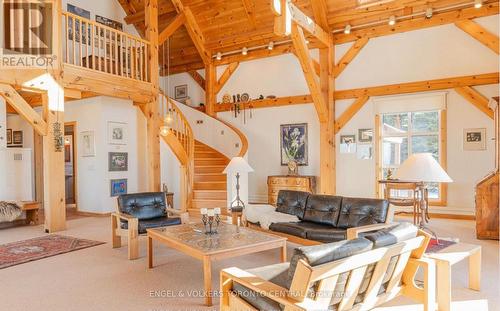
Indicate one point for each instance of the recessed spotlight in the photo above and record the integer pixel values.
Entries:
(392, 20)
(219, 56)
(478, 4)
(244, 51)
(347, 29)
(270, 46)
(428, 13)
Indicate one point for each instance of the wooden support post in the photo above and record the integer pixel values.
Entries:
(210, 95)
(327, 132)
(152, 109)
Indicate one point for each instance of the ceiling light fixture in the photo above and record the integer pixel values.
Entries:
(428, 13)
(219, 56)
(270, 46)
(347, 29)
(392, 20)
(478, 4)
(244, 51)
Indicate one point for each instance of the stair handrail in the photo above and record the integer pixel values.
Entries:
(180, 128)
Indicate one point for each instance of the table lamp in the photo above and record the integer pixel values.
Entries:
(237, 165)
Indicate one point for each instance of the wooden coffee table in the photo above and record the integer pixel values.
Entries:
(229, 242)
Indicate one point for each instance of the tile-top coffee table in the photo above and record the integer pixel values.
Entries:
(446, 258)
(229, 242)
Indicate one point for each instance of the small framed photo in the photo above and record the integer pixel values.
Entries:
(88, 144)
(347, 139)
(118, 161)
(9, 136)
(181, 92)
(475, 139)
(118, 187)
(365, 135)
(17, 138)
(347, 143)
(117, 133)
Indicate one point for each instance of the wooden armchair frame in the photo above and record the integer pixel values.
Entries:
(402, 280)
(132, 232)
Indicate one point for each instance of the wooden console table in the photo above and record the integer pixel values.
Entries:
(283, 182)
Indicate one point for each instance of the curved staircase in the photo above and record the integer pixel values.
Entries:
(210, 187)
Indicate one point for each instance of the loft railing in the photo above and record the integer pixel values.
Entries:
(94, 46)
(180, 139)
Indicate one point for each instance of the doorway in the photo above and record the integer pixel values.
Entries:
(70, 167)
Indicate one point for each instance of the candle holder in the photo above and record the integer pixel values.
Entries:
(211, 220)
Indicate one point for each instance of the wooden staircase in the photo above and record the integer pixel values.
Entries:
(209, 188)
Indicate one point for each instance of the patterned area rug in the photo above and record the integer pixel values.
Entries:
(20, 252)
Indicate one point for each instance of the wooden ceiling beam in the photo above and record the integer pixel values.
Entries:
(475, 98)
(256, 54)
(309, 25)
(420, 86)
(302, 52)
(269, 102)
(178, 21)
(347, 115)
(197, 78)
(416, 23)
(228, 72)
(139, 16)
(250, 11)
(349, 56)
(320, 10)
(478, 32)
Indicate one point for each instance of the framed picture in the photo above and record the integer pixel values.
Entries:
(17, 138)
(293, 143)
(475, 139)
(9, 136)
(118, 161)
(80, 12)
(88, 144)
(109, 22)
(365, 135)
(68, 148)
(347, 143)
(118, 187)
(117, 133)
(181, 92)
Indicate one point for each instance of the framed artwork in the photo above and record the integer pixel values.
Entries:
(88, 144)
(17, 138)
(118, 187)
(117, 133)
(109, 22)
(293, 143)
(181, 92)
(9, 136)
(347, 143)
(365, 135)
(475, 139)
(68, 142)
(80, 12)
(118, 161)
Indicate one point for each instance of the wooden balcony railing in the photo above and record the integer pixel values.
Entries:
(94, 46)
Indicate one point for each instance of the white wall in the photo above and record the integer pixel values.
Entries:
(433, 53)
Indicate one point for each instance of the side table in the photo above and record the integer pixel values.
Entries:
(445, 259)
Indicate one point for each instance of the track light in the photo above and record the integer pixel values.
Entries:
(428, 13)
(270, 46)
(219, 56)
(478, 4)
(244, 51)
(392, 20)
(347, 29)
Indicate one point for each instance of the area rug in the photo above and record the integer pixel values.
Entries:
(20, 252)
(434, 247)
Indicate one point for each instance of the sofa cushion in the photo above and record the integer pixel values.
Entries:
(146, 205)
(323, 209)
(154, 223)
(277, 274)
(392, 235)
(292, 202)
(292, 228)
(357, 212)
(323, 233)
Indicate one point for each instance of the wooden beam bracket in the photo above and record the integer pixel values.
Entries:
(178, 21)
(478, 32)
(475, 98)
(230, 69)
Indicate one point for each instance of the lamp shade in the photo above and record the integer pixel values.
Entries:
(238, 165)
(422, 167)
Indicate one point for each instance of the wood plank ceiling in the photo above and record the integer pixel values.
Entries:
(230, 25)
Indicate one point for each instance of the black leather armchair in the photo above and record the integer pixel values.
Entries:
(138, 212)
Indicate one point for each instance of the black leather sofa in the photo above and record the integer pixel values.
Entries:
(327, 218)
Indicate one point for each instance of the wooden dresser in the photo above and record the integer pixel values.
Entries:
(299, 183)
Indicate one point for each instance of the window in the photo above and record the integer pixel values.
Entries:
(405, 133)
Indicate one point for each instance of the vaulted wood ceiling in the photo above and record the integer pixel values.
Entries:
(229, 25)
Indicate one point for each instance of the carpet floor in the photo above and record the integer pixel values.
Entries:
(101, 278)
